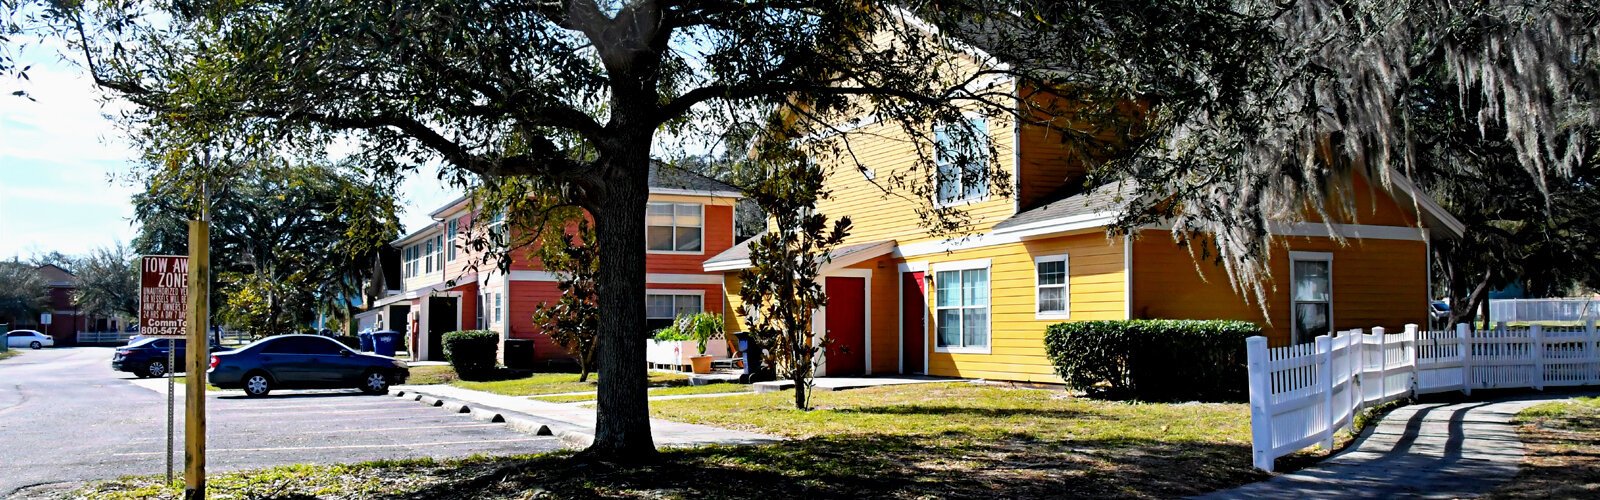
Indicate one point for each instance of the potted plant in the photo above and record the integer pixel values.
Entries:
(701, 327)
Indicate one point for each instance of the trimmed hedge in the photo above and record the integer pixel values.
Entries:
(1153, 359)
(472, 352)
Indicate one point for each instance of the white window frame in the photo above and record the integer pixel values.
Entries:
(499, 307)
(478, 320)
(700, 295)
(961, 265)
(427, 256)
(438, 251)
(1294, 312)
(1065, 286)
(963, 199)
(452, 230)
(675, 226)
(411, 256)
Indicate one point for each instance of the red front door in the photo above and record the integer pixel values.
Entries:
(913, 307)
(846, 326)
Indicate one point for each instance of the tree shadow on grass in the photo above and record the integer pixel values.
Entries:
(937, 410)
(948, 465)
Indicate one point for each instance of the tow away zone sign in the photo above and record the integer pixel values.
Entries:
(163, 296)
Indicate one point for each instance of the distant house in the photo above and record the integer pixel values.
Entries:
(902, 301)
(434, 287)
(66, 319)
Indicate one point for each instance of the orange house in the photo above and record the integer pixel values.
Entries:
(445, 286)
(977, 306)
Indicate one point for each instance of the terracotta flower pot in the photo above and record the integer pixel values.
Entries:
(701, 363)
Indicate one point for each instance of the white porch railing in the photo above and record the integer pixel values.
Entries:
(1300, 395)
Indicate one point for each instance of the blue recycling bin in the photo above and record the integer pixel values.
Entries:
(383, 342)
(366, 341)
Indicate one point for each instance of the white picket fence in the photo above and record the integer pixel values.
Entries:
(1301, 395)
(1568, 309)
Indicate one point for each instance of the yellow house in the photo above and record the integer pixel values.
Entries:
(902, 301)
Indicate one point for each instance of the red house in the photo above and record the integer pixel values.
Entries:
(690, 218)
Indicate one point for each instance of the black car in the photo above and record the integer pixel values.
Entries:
(303, 362)
(148, 357)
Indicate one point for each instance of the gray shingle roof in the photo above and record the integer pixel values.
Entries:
(665, 176)
(1106, 198)
(741, 252)
(734, 253)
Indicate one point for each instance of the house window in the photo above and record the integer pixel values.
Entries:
(438, 252)
(660, 308)
(1050, 287)
(411, 261)
(499, 305)
(961, 306)
(428, 252)
(674, 227)
(452, 228)
(962, 151)
(478, 312)
(1312, 295)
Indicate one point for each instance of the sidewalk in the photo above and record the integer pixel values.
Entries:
(1430, 450)
(573, 423)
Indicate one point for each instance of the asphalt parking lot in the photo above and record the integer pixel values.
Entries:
(66, 417)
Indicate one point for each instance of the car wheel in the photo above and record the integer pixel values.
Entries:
(257, 384)
(156, 369)
(36, 345)
(375, 383)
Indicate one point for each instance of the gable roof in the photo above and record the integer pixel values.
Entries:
(55, 276)
(668, 178)
(1090, 208)
(738, 256)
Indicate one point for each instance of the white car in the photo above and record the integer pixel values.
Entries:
(29, 338)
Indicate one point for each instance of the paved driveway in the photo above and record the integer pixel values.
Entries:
(66, 417)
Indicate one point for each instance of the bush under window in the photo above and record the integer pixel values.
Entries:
(1155, 360)
(472, 352)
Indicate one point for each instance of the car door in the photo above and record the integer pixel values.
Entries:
(285, 359)
(14, 339)
(326, 363)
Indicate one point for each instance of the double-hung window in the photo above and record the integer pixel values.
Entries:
(438, 252)
(1050, 287)
(674, 227)
(452, 229)
(427, 252)
(662, 306)
(961, 306)
(499, 305)
(962, 153)
(478, 312)
(1312, 295)
(411, 261)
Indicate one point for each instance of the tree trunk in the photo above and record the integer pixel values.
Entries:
(622, 429)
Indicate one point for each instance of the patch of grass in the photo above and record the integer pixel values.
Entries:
(682, 390)
(427, 375)
(557, 383)
(1563, 441)
(9, 353)
(919, 441)
(181, 381)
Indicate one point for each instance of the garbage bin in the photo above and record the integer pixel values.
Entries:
(519, 354)
(749, 358)
(384, 342)
(366, 341)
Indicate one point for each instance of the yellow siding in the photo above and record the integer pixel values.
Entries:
(1096, 289)
(881, 212)
(1375, 283)
(733, 319)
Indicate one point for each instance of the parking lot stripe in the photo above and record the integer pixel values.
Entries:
(298, 413)
(348, 447)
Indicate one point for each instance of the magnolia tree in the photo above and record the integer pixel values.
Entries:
(780, 289)
(573, 320)
(1238, 113)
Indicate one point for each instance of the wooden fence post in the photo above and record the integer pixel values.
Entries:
(1260, 398)
(1464, 335)
(1536, 349)
(1325, 380)
(1412, 354)
(1383, 364)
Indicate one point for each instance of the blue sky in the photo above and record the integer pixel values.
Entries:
(60, 156)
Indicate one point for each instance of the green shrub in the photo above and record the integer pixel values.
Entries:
(472, 352)
(1156, 360)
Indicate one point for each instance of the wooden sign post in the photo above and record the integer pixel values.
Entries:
(199, 354)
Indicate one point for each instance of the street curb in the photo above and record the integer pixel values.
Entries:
(570, 435)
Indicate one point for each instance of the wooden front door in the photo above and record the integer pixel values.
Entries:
(913, 308)
(846, 326)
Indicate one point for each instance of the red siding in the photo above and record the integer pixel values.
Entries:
(524, 298)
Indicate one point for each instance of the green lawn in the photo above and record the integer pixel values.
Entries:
(682, 390)
(9, 353)
(428, 375)
(557, 383)
(1563, 446)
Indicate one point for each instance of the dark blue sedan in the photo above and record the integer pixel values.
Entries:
(303, 362)
(147, 357)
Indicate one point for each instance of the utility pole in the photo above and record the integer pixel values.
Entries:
(199, 350)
